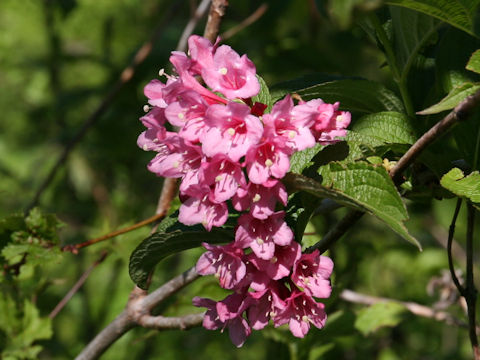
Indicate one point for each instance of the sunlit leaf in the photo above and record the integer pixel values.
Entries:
(361, 186)
(454, 98)
(379, 315)
(461, 185)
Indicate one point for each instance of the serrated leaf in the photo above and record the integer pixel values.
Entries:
(264, 95)
(379, 315)
(459, 13)
(461, 185)
(474, 62)
(362, 96)
(160, 245)
(361, 186)
(454, 98)
(385, 128)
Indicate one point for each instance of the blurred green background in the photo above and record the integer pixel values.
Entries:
(59, 59)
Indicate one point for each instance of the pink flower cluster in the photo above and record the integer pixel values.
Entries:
(227, 149)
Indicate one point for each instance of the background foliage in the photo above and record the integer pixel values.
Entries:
(58, 59)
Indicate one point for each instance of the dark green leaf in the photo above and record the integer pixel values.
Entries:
(355, 95)
(459, 13)
(412, 31)
(454, 98)
(461, 185)
(160, 245)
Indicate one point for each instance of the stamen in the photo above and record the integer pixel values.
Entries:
(146, 108)
(260, 241)
(223, 71)
(256, 198)
(268, 163)
(231, 131)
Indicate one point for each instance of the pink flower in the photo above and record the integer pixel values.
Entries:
(183, 65)
(261, 199)
(203, 211)
(231, 130)
(301, 311)
(224, 175)
(311, 272)
(230, 74)
(175, 157)
(327, 123)
(265, 304)
(262, 235)
(154, 92)
(270, 158)
(225, 262)
(188, 113)
(295, 130)
(280, 265)
(238, 328)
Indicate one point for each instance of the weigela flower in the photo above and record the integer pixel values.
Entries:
(225, 262)
(299, 312)
(226, 148)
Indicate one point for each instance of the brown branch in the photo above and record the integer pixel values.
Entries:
(137, 312)
(257, 14)
(124, 78)
(470, 290)
(217, 11)
(461, 112)
(337, 231)
(414, 308)
(76, 286)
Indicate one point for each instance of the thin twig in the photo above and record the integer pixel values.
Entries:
(217, 11)
(76, 286)
(451, 232)
(124, 78)
(470, 290)
(197, 15)
(461, 112)
(414, 308)
(257, 14)
(337, 231)
(75, 247)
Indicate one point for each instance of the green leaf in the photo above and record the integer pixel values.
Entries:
(361, 186)
(412, 31)
(454, 98)
(264, 95)
(299, 211)
(160, 245)
(474, 62)
(459, 13)
(354, 95)
(379, 315)
(461, 185)
(385, 128)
